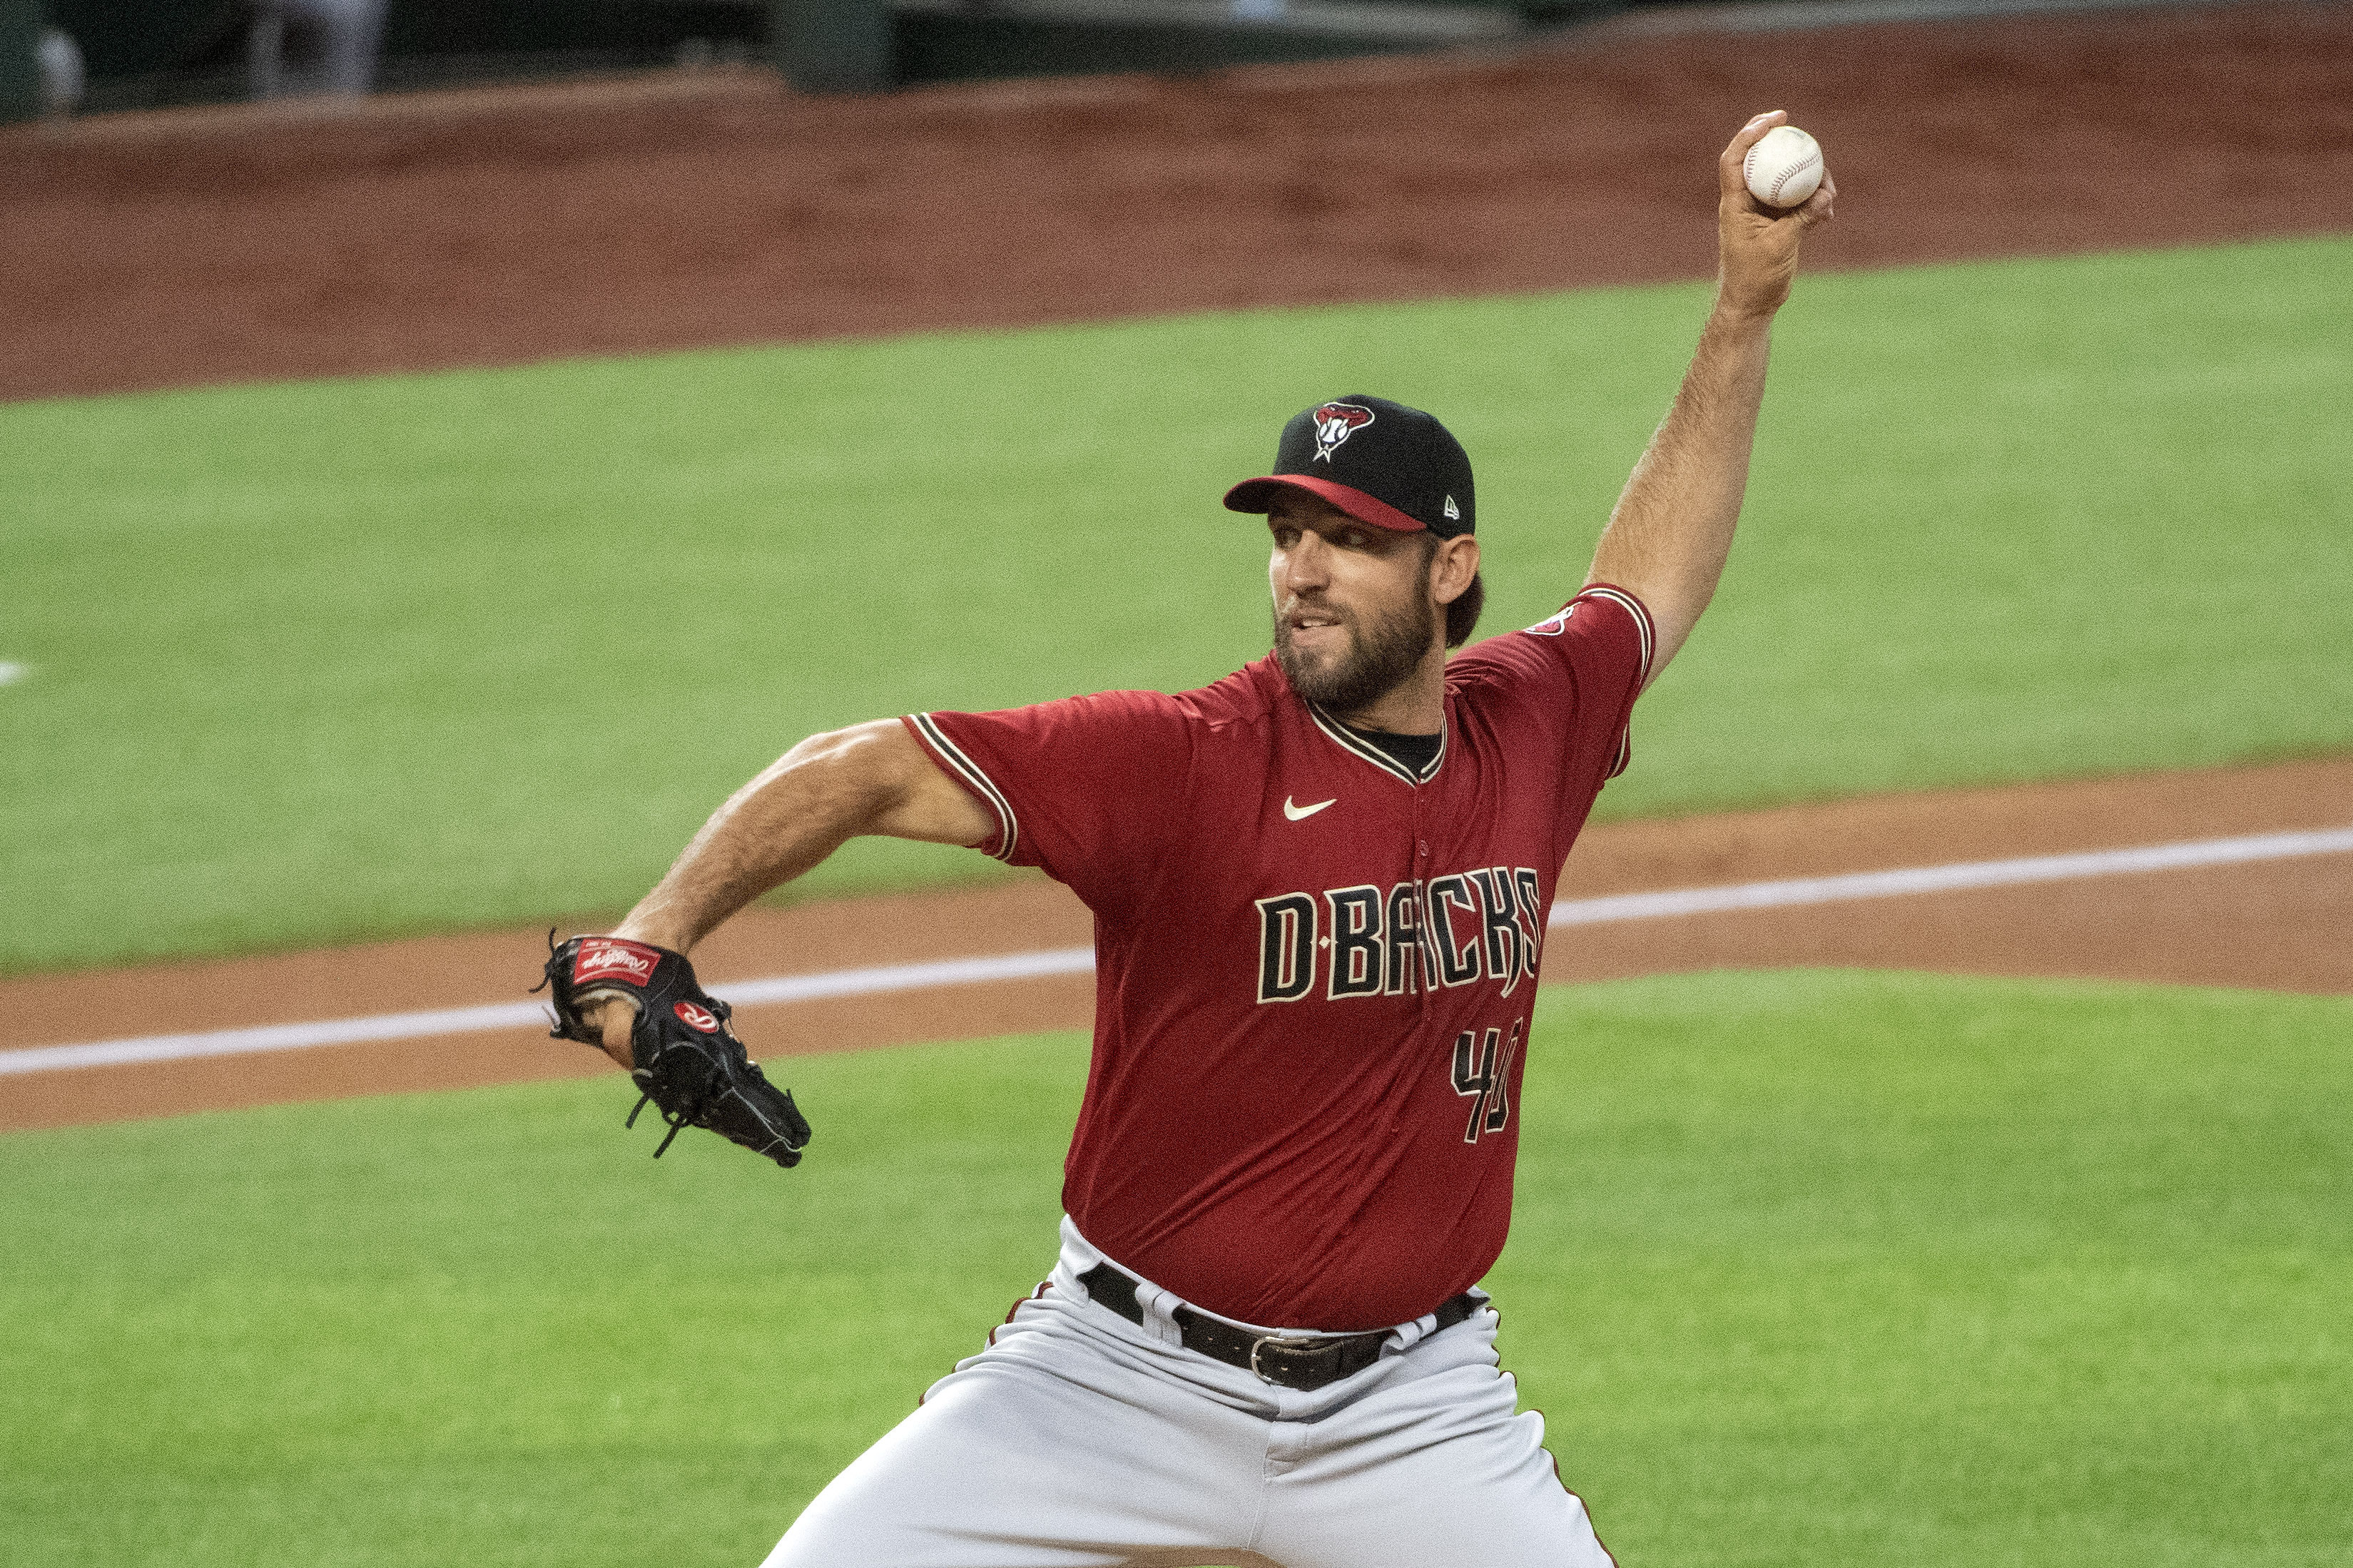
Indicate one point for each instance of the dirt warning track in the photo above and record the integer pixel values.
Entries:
(493, 227)
(2279, 923)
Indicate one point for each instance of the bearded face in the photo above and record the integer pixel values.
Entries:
(1345, 660)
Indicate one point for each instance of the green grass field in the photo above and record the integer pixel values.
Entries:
(1811, 1268)
(336, 659)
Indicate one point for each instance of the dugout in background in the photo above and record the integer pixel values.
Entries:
(143, 53)
(20, 59)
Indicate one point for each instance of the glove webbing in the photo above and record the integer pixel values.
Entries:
(684, 1119)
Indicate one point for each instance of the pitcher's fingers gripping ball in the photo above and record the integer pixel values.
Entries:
(683, 1052)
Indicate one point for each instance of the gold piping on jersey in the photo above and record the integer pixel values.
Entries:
(1374, 754)
(1009, 826)
(1632, 606)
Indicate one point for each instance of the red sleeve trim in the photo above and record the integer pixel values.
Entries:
(1632, 606)
(969, 773)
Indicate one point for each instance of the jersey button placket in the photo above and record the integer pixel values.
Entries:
(1419, 871)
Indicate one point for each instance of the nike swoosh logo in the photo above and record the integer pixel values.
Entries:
(1300, 812)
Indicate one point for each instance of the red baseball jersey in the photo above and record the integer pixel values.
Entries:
(1314, 965)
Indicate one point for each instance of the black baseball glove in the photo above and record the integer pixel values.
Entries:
(684, 1056)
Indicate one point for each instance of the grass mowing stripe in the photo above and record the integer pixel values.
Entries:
(1818, 1268)
(332, 660)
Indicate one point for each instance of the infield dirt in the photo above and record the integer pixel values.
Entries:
(502, 227)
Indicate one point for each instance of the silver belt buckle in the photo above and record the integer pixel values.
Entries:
(1281, 1342)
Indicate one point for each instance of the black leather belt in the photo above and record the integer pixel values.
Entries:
(1302, 1361)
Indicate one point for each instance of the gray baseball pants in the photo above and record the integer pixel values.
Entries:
(1078, 1439)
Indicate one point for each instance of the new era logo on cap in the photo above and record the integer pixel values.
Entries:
(1380, 462)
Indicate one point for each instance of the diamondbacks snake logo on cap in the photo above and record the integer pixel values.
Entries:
(1335, 422)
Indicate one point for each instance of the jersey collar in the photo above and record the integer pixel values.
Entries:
(1350, 741)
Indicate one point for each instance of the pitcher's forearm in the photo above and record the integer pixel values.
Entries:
(831, 788)
(798, 810)
(1671, 530)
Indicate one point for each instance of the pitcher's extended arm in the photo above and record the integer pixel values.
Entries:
(868, 779)
(1671, 530)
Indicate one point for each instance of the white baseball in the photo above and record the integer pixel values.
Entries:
(1784, 168)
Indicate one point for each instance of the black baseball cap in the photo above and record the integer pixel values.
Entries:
(1380, 462)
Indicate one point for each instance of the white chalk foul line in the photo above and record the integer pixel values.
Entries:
(893, 977)
(1963, 875)
(520, 1014)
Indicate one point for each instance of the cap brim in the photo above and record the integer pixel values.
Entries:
(1258, 495)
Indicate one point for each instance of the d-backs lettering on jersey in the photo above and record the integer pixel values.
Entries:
(1314, 965)
(1456, 929)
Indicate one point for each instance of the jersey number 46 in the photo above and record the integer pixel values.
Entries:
(1482, 1071)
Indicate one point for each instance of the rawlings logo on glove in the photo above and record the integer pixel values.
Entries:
(683, 1055)
(610, 958)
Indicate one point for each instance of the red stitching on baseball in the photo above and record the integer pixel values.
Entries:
(1793, 172)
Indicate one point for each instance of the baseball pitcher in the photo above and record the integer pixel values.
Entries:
(1320, 889)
